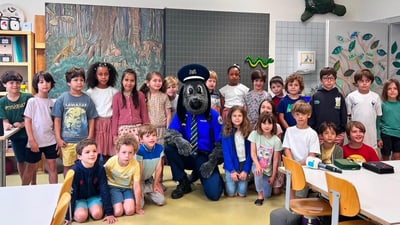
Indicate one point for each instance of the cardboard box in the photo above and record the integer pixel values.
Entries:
(6, 45)
(6, 58)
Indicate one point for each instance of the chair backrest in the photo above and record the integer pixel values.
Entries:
(61, 209)
(298, 177)
(67, 185)
(349, 203)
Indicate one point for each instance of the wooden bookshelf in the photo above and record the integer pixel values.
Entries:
(25, 65)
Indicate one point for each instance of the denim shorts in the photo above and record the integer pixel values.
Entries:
(119, 194)
(88, 203)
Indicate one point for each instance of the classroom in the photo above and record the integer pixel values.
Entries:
(227, 34)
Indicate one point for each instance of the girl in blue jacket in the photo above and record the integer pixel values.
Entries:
(236, 148)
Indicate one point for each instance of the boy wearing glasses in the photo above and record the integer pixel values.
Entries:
(329, 105)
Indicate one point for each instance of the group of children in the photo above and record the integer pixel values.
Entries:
(123, 130)
(102, 126)
(317, 128)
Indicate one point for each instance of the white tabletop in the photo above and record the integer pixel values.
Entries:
(379, 193)
(32, 205)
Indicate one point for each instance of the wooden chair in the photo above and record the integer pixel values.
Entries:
(67, 184)
(66, 187)
(344, 200)
(61, 209)
(310, 208)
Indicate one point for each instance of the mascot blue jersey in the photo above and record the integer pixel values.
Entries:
(209, 131)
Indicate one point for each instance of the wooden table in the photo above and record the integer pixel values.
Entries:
(32, 205)
(3, 149)
(379, 193)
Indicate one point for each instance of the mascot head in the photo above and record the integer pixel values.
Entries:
(194, 96)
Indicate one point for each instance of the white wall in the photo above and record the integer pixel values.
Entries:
(282, 10)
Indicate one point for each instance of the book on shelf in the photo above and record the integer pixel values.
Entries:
(19, 49)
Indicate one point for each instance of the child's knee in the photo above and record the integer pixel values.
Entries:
(118, 210)
(96, 212)
(81, 215)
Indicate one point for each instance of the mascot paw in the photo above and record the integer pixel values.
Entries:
(216, 157)
(207, 169)
(183, 146)
(174, 138)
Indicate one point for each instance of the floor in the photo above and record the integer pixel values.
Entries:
(193, 208)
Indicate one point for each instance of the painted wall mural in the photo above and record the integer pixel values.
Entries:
(356, 45)
(79, 35)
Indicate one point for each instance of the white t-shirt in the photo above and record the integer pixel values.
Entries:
(39, 110)
(234, 95)
(365, 108)
(301, 142)
(102, 98)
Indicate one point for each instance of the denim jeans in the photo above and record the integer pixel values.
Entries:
(262, 184)
(212, 186)
(235, 186)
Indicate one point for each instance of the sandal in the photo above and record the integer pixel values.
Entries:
(259, 202)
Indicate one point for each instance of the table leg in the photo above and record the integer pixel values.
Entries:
(3, 162)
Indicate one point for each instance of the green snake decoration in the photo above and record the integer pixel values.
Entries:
(259, 60)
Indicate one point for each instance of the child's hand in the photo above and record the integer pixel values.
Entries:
(61, 143)
(110, 219)
(243, 176)
(140, 211)
(258, 171)
(271, 180)
(158, 188)
(8, 127)
(235, 176)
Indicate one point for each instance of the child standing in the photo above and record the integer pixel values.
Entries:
(129, 107)
(236, 149)
(265, 153)
(90, 192)
(364, 105)
(276, 86)
(389, 122)
(211, 84)
(12, 108)
(328, 105)
(294, 85)
(356, 149)
(40, 129)
(253, 99)
(269, 106)
(74, 114)
(151, 160)
(123, 174)
(158, 104)
(101, 78)
(329, 150)
(301, 140)
(233, 93)
(170, 87)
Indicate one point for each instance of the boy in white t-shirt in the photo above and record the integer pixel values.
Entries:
(233, 93)
(301, 140)
(364, 105)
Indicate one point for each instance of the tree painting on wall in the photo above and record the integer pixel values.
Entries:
(359, 48)
(79, 35)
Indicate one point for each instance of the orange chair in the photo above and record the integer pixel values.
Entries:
(61, 209)
(344, 200)
(310, 208)
(67, 186)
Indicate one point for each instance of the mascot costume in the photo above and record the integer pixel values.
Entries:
(193, 139)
